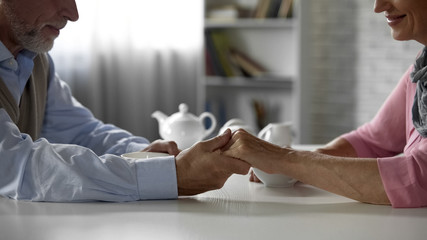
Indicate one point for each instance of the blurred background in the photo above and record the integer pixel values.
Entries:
(126, 59)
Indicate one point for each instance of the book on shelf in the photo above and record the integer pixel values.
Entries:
(222, 45)
(212, 62)
(209, 69)
(218, 55)
(285, 9)
(218, 108)
(227, 12)
(260, 113)
(249, 66)
(224, 60)
(262, 8)
(223, 12)
(273, 9)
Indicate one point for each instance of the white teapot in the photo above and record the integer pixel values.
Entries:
(184, 128)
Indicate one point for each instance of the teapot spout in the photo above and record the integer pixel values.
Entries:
(161, 117)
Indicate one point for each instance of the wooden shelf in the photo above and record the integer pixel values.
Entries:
(243, 82)
(272, 23)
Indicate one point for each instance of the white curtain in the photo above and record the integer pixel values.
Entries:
(125, 59)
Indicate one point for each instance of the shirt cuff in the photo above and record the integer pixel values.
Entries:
(399, 183)
(157, 178)
(358, 145)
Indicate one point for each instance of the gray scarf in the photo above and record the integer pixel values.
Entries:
(419, 109)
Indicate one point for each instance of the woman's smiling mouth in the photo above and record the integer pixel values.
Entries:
(393, 20)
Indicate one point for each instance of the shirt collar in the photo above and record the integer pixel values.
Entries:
(8, 61)
(5, 54)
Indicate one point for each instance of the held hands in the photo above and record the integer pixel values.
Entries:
(208, 164)
(204, 167)
(257, 152)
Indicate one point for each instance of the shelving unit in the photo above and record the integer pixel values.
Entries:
(250, 23)
(242, 82)
(274, 43)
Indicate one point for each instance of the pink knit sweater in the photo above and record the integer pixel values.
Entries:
(401, 151)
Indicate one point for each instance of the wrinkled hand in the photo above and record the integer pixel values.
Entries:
(257, 152)
(203, 167)
(163, 146)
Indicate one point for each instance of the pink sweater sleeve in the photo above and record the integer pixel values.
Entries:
(384, 136)
(388, 135)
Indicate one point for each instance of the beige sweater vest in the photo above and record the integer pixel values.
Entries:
(29, 115)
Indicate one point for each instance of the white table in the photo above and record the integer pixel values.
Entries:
(240, 210)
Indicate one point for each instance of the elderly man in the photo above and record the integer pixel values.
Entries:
(53, 149)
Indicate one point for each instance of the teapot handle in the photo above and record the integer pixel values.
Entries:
(213, 122)
(264, 131)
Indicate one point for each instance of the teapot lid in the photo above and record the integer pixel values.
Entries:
(183, 108)
(183, 114)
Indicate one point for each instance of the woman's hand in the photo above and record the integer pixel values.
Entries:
(257, 152)
(163, 146)
(254, 178)
(355, 178)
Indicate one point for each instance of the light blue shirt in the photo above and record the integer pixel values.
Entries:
(77, 157)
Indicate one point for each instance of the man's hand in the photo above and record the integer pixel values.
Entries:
(163, 146)
(203, 167)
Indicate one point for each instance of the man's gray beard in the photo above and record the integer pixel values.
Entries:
(32, 40)
(28, 37)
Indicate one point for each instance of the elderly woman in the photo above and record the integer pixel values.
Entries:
(366, 164)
